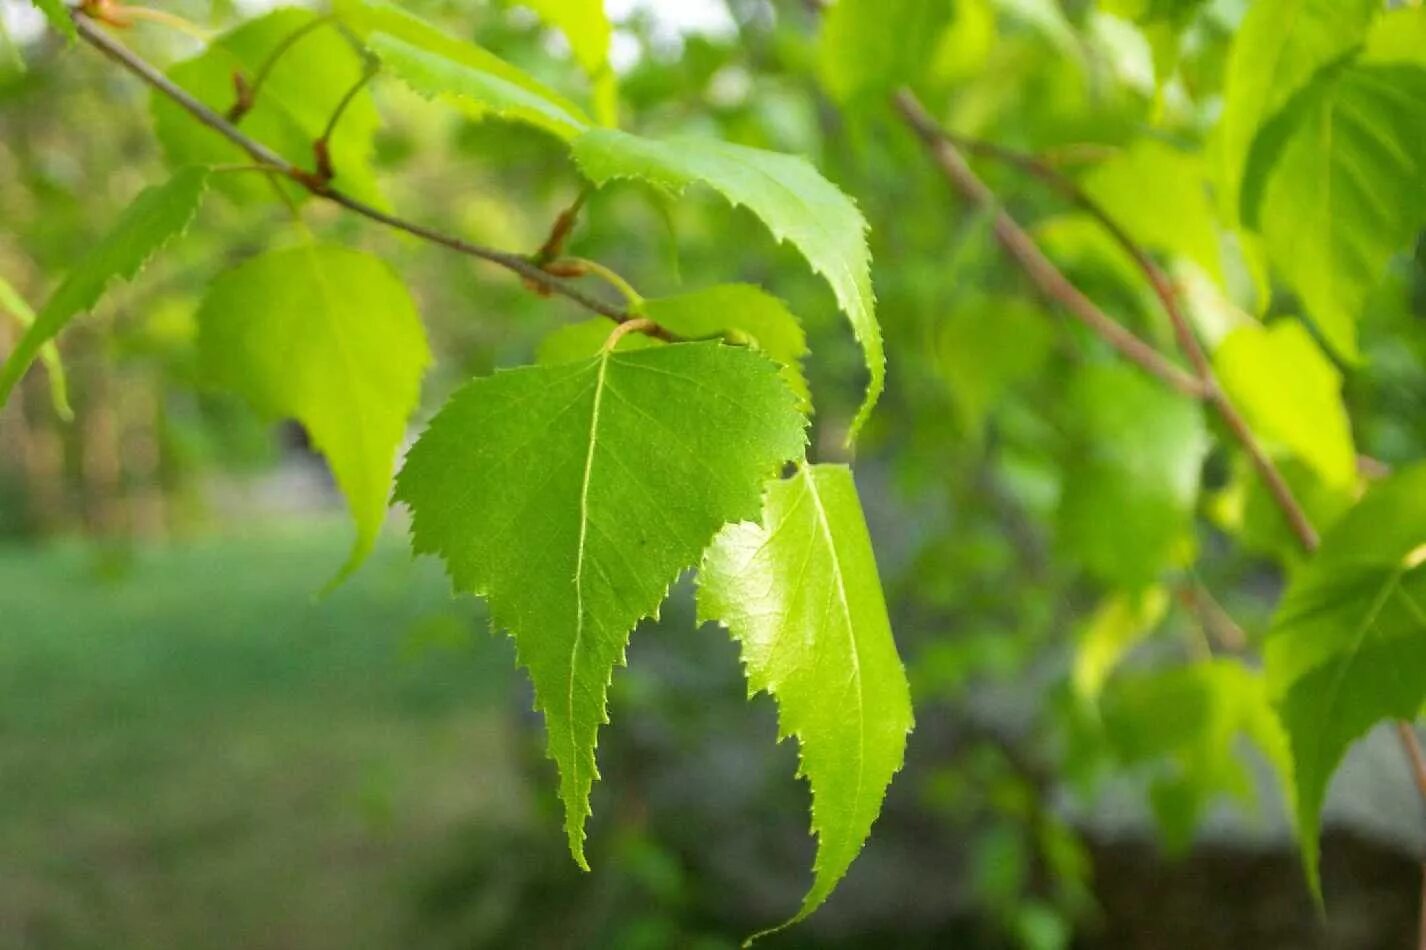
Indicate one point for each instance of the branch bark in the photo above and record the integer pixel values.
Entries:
(267, 159)
(1054, 284)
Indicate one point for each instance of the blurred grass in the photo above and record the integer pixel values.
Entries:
(195, 752)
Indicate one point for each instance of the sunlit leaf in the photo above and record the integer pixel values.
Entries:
(795, 202)
(800, 594)
(571, 496)
(12, 303)
(330, 337)
(869, 47)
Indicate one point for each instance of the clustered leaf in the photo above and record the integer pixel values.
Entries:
(155, 217)
(795, 202)
(800, 594)
(328, 336)
(1337, 184)
(571, 496)
(1348, 644)
(291, 110)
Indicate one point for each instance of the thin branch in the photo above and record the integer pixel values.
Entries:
(1042, 272)
(322, 147)
(248, 93)
(270, 160)
(1022, 248)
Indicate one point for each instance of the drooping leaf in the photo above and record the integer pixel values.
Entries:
(586, 27)
(800, 594)
(291, 110)
(1337, 184)
(1117, 624)
(795, 202)
(869, 47)
(744, 313)
(572, 496)
(330, 337)
(12, 303)
(1348, 644)
(485, 92)
(1291, 395)
(1276, 51)
(1159, 195)
(157, 215)
(1183, 724)
(1132, 477)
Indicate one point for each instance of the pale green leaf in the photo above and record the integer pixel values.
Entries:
(1131, 482)
(1276, 51)
(1119, 622)
(1337, 185)
(12, 303)
(795, 202)
(1348, 645)
(1398, 36)
(572, 496)
(586, 27)
(869, 47)
(158, 214)
(435, 63)
(330, 337)
(800, 594)
(1291, 395)
(296, 100)
(58, 16)
(1159, 195)
(1184, 725)
(433, 75)
(742, 313)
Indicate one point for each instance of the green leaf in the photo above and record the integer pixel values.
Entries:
(433, 76)
(800, 594)
(572, 496)
(158, 214)
(1119, 622)
(12, 303)
(986, 348)
(293, 106)
(330, 337)
(434, 63)
(1398, 36)
(795, 202)
(1159, 195)
(1291, 396)
(743, 313)
(1184, 723)
(58, 16)
(1277, 49)
(586, 27)
(1348, 645)
(577, 341)
(1132, 480)
(869, 47)
(1337, 184)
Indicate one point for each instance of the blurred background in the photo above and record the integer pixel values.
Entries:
(197, 750)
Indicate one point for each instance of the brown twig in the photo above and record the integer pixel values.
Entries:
(1042, 272)
(271, 161)
(1054, 284)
